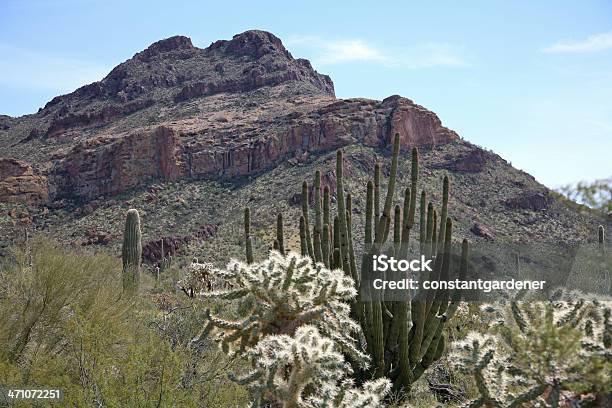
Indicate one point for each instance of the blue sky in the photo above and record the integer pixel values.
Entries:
(530, 80)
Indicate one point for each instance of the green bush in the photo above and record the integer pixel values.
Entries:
(65, 324)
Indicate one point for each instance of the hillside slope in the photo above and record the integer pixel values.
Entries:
(190, 136)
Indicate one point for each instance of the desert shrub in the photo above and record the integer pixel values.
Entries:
(595, 194)
(65, 324)
(540, 353)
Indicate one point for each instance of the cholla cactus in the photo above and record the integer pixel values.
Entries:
(284, 293)
(540, 352)
(476, 355)
(306, 370)
(197, 279)
(344, 395)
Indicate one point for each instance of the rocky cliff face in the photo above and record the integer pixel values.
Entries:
(177, 111)
(160, 130)
(20, 183)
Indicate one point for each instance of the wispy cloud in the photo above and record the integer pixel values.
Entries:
(597, 42)
(33, 70)
(330, 52)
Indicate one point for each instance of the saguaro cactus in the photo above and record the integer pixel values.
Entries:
(166, 261)
(131, 252)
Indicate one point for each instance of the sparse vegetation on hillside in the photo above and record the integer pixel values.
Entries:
(596, 194)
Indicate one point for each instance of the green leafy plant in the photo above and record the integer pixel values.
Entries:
(65, 323)
(596, 194)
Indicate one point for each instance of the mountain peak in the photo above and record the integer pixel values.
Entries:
(252, 43)
(177, 42)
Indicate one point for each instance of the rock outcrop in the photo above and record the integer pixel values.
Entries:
(111, 165)
(20, 183)
(474, 161)
(530, 200)
(173, 111)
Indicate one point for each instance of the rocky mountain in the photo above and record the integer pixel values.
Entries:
(189, 135)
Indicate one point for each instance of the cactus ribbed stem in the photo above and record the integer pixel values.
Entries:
(405, 224)
(351, 248)
(327, 212)
(444, 214)
(343, 238)
(249, 250)
(434, 236)
(386, 214)
(337, 261)
(397, 229)
(368, 215)
(414, 175)
(305, 200)
(429, 229)
(422, 221)
(303, 234)
(247, 222)
(279, 233)
(131, 252)
(376, 197)
(318, 224)
(325, 248)
(247, 235)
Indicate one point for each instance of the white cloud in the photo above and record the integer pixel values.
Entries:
(330, 52)
(597, 42)
(350, 50)
(27, 69)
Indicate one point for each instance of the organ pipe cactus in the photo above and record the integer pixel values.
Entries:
(131, 252)
(403, 338)
(247, 235)
(280, 240)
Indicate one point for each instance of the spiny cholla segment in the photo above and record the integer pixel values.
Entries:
(306, 370)
(197, 279)
(284, 293)
(542, 351)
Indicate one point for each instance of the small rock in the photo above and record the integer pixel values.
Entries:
(481, 230)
